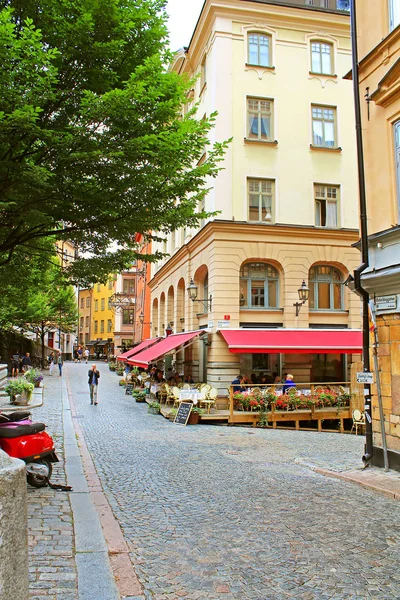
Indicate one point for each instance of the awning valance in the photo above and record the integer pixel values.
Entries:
(164, 346)
(293, 341)
(144, 344)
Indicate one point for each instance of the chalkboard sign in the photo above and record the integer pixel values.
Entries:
(183, 414)
(129, 389)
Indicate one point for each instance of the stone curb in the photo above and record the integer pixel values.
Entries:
(122, 569)
(377, 482)
(95, 576)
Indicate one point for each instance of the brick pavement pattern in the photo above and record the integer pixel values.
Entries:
(52, 569)
(212, 512)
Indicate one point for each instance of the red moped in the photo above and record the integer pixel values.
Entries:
(20, 438)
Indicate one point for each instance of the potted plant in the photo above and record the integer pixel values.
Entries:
(194, 416)
(122, 382)
(19, 390)
(112, 365)
(154, 408)
(34, 376)
(140, 396)
(172, 414)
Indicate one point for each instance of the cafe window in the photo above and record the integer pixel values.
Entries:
(258, 286)
(326, 288)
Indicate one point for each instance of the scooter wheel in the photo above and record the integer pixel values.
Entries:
(35, 479)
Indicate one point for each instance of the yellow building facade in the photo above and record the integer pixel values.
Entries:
(378, 26)
(102, 319)
(287, 194)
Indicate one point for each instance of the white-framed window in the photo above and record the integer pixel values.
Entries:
(128, 286)
(259, 49)
(109, 326)
(324, 126)
(326, 288)
(322, 57)
(127, 317)
(96, 305)
(259, 119)
(96, 326)
(101, 326)
(326, 205)
(260, 199)
(397, 159)
(103, 304)
(394, 14)
(258, 286)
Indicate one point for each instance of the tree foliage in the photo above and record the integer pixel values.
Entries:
(93, 145)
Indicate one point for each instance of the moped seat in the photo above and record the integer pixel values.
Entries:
(14, 416)
(20, 430)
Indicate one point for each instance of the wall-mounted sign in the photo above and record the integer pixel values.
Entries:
(222, 324)
(365, 377)
(385, 302)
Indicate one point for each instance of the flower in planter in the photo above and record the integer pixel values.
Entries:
(34, 376)
(281, 404)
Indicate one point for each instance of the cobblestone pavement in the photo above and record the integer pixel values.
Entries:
(50, 522)
(235, 513)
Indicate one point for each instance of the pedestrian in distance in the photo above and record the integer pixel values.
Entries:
(94, 376)
(26, 362)
(80, 354)
(87, 355)
(50, 360)
(15, 364)
(59, 362)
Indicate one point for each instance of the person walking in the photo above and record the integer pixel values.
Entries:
(59, 362)
(15, 364)
(26, 362)
(87, 355)
(50, 360)
(94, 376)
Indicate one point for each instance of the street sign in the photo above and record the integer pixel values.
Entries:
(365, 378)
(385, 302)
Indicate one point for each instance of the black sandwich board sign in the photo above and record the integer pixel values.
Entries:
(129, 389)
(183, 414)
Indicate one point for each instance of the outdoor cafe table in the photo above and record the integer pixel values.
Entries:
(193, 395)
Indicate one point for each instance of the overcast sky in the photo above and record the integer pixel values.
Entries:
(183, 15)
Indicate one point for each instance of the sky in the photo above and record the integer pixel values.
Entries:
(183, 15)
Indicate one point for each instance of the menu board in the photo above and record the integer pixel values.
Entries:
(129, 389)
(183, 414)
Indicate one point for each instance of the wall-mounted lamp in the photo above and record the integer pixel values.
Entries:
(303, 292)
(142, 321)
(168, 330)
(192, 291)
(206, 341)
(182, 320)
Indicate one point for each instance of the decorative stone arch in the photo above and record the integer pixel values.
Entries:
(277, 268)
(155, 319)
(180, 305)
(320, 282)
(170, 307)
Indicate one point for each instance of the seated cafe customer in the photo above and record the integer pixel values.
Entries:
(289, 383)
(238, 384)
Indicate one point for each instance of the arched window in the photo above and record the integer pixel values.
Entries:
(326, 288)
(258, 286)
(205, 287)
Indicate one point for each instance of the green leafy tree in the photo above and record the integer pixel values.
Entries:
(93, 145)
(50, 306)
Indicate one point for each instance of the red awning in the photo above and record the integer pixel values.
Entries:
(293, 341)
(138, 348)
(164, 346)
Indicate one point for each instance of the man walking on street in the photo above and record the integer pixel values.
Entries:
(87, 354)
(59, 362)
(94, 377)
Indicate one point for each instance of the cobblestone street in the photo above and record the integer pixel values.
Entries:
(216, 512)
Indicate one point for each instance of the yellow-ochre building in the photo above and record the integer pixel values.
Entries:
(287, 197)
(378, 28)
(102, 319)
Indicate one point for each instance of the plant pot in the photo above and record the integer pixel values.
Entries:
(194, 419)
(23, 399)
(36, 384)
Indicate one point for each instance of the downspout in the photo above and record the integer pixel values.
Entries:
(368, 451)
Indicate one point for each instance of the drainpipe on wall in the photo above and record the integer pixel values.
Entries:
(368, 451)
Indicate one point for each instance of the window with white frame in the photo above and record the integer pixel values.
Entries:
(101, 326)
(326, 205)
(259, 119)
(96, 305)
(103, 304)
(109, 326)
(258, 286)
(322, 58)
(261, 199)
(397, 158)
(326, 288)
(324, 126)
(259, 49)
(394, 14)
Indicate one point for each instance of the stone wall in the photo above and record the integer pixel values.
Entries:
(13, 529)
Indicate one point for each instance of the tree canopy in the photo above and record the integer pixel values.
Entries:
(93, 144)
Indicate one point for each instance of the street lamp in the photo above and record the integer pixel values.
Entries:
(168, 330)
(192, 291)
(303, 292)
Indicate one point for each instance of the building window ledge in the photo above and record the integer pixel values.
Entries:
(261, 67)
(265, 142)
(336, 149)
(261, 309)
(328, 75)
(328, 311)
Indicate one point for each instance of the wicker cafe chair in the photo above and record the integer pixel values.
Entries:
(358, 420)
(205, 387)
(163, 393)
(175, 394)
(209, 399)
(186, 386)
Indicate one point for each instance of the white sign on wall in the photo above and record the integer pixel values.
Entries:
(365, 377)
(223, 324)
(385, 302)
